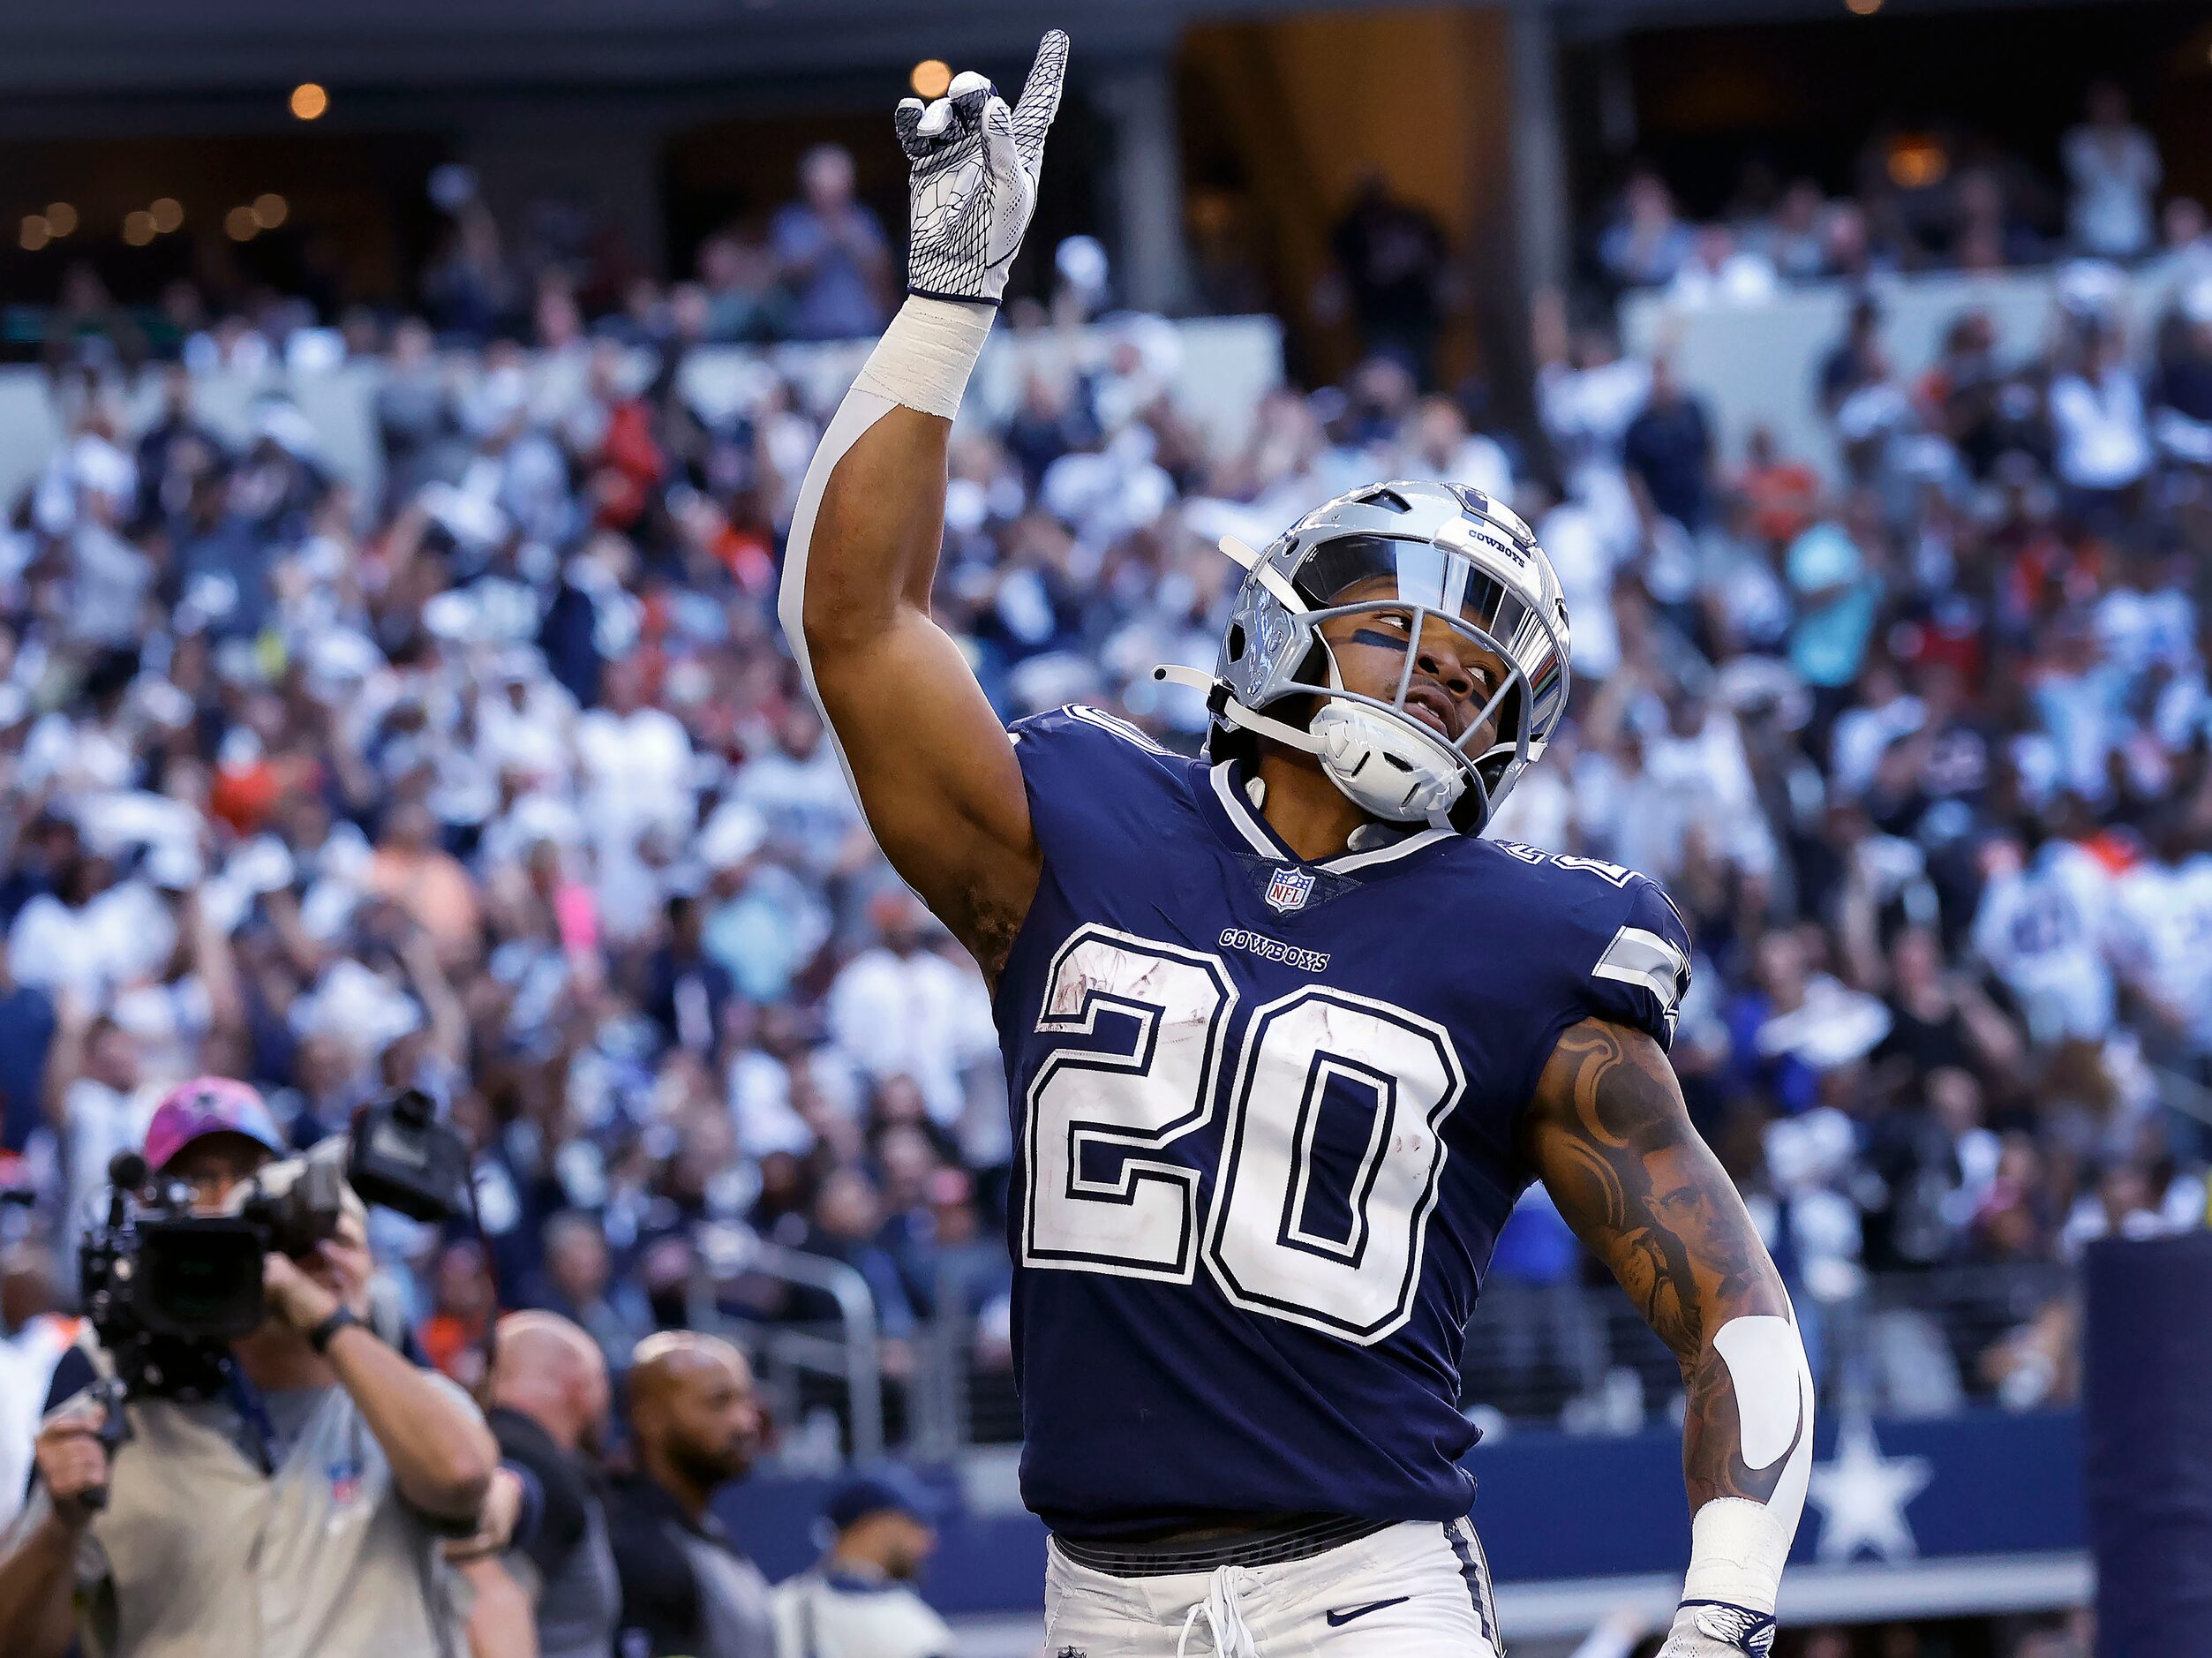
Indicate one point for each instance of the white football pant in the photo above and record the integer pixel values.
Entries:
(1418, 1590)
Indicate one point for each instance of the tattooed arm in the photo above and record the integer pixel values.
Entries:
(1608, 1135)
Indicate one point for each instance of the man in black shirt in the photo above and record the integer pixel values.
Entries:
(1392, 259)
(686, 1589)
(548, 1397)
(1669, 447)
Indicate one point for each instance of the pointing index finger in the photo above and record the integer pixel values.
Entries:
(1041, 94)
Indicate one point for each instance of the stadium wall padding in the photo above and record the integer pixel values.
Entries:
(2146, 1355)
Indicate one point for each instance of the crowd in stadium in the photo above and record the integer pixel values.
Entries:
(1923, 197)
(502, 783)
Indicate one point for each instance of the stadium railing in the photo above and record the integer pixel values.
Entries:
(1573, 1356)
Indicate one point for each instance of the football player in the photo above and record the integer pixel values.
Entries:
(1285, 1038)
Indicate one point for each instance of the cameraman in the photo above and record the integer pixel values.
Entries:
(296, 1516)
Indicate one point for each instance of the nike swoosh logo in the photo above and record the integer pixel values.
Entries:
(1349, 1613)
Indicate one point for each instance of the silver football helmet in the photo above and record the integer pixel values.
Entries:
(1414, 550)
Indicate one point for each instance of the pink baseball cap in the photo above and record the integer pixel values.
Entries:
(208, 1105)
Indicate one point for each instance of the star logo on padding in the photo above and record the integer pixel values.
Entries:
(1861, 1496)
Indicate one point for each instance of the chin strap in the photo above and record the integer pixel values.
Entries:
(1234, 711)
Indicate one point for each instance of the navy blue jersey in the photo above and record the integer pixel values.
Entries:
(1264, 1122)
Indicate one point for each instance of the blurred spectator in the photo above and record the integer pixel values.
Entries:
(831, 254)
(2183, 260)
(1837, 591)
(547, 1403)
(744, 300)
(906, 1010)
(426, 883)
(1391, 263)
(847, 1226)
(1717, 272)
(1791, 239)
(2098, 424)
(2113, 168)
(688, 991)
(2041, 927)
(859, 1601)
(1855, 359)
(1646, 244)
(1668, 447)
(453, 1336)
(469, 287)
(1440, 449)
(578, 1282)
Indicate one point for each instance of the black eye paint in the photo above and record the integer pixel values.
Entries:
(1381, 641)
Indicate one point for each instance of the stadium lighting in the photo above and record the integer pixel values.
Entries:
(61, 218)
(1916, 163)
(1863, 8)
(239, 224)
(931, 77)
(36, 235)
(309, 101)
(269, 210)
(137, 227)
(167, 213)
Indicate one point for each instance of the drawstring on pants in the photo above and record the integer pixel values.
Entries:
(1224, 1617)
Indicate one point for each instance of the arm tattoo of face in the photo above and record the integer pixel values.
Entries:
(1609, 1135)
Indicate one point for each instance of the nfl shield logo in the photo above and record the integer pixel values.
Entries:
(345, 1481)
(1289, 890)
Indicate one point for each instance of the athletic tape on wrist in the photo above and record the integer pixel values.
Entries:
(1737, 1546)
(925, 357)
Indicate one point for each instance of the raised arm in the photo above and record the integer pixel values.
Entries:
(1608, 1135)
(934, 770)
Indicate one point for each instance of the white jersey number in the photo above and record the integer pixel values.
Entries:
(1097, 1203)
(1336, 1249)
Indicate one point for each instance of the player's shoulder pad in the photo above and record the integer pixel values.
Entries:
(1617, 931)
(1088, 738)
(1080, 722)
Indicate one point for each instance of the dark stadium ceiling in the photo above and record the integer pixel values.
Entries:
(96, 49)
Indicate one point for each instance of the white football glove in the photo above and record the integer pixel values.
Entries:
(974, 185)
(1714, 1629)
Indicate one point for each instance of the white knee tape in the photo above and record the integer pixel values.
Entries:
(1737, 1546)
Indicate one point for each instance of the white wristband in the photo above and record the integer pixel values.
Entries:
(925, 357)
(1736, 1551)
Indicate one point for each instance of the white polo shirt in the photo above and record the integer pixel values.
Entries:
(832, 1612)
